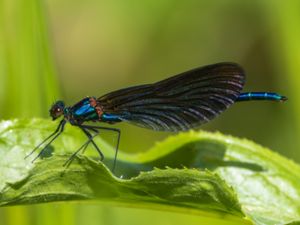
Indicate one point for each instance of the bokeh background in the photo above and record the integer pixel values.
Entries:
(63, 49)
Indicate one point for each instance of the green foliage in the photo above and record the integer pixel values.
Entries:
(26, 69)
(165, 38)
(244, 181)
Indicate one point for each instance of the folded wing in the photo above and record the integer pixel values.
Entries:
(181, 102)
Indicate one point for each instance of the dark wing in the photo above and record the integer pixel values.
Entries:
(180, 102)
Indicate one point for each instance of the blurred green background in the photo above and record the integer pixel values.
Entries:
(67, 49)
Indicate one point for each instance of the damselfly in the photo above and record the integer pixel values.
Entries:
(179, 103)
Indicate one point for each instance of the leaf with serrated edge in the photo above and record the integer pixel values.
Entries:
(234, 177)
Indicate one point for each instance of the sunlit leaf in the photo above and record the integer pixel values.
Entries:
(208, 174)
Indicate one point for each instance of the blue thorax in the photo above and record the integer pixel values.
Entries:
(83, 110)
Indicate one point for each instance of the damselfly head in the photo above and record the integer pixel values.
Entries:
(57, 109)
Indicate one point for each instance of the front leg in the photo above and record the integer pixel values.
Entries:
(56, 133)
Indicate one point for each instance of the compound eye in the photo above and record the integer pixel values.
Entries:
(57, 111)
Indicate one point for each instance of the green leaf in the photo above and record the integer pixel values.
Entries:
(195, 172)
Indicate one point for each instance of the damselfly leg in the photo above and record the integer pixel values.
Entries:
(56, 133)
(93, 128)
(89, 135)
(69, 161)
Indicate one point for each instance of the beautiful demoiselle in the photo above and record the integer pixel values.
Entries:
(178, 103)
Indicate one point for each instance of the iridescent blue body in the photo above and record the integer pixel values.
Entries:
(84, 111)
(178, 103)
(248, 96)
